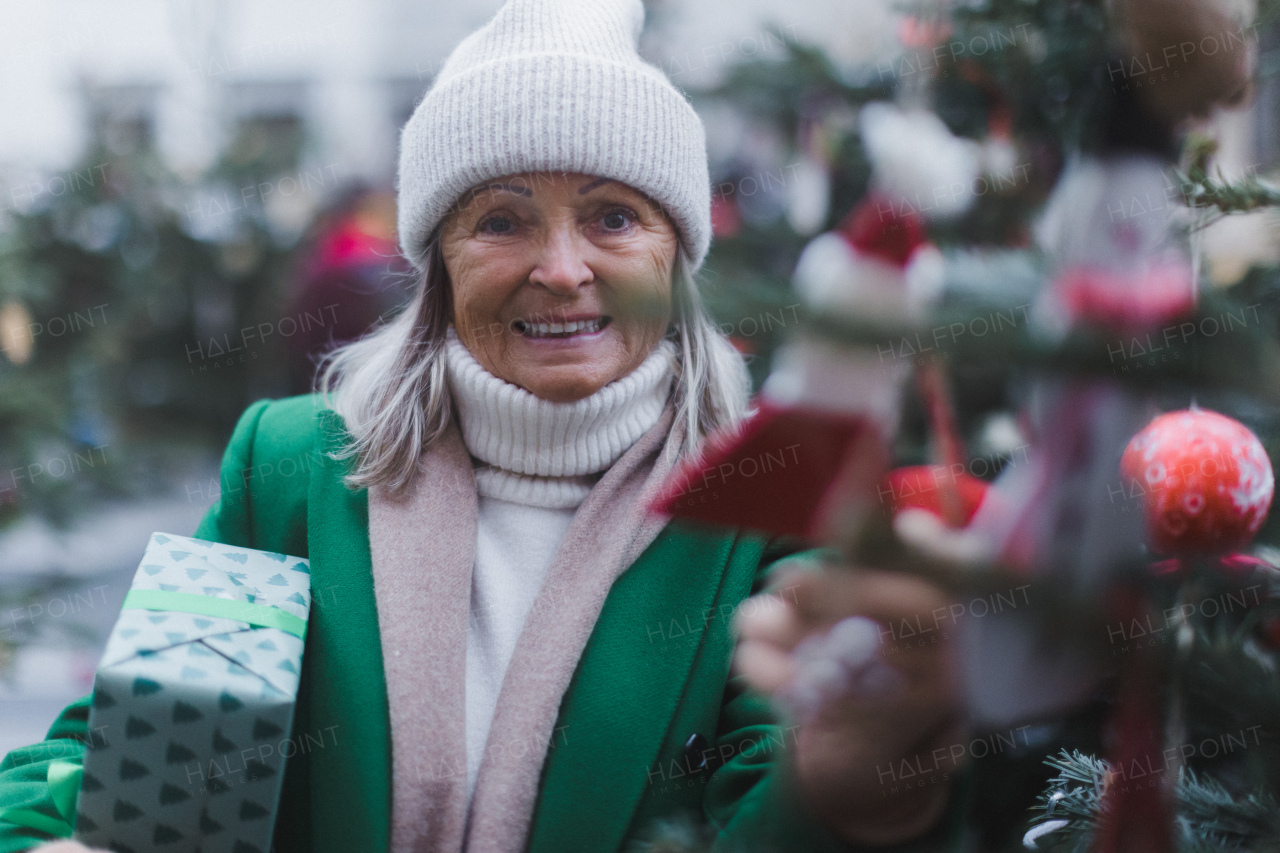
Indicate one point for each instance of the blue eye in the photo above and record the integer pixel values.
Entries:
(498, 225)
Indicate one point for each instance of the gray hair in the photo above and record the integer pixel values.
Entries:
(390, 386)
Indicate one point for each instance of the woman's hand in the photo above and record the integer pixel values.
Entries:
(880, 730)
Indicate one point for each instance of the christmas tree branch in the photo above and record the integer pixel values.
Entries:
(1209, 818)
(1202, 190)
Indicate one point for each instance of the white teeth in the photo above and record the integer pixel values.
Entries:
(539, 330)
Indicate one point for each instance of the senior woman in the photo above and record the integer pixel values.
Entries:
(509, 652)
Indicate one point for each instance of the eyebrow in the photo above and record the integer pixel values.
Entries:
(596, 183)
(475, 191)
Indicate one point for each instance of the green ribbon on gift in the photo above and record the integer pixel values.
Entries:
(64, 786)
(261, 615)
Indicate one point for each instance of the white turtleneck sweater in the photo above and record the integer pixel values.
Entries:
(536, 460)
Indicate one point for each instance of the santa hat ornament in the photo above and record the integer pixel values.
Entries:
(815, 438)
(877, 265)
(820, 418)
(932, 507)
(813, 452)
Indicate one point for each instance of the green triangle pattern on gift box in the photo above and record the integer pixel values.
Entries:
(191, 713)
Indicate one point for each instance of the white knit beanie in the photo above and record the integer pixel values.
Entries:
(554, 85)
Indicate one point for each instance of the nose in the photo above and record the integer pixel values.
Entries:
(561, 265)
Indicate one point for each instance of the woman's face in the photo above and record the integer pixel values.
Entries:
(561, 283)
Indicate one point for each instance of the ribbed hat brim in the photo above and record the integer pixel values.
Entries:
(554, 112)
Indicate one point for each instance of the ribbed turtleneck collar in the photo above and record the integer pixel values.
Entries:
(544, 453)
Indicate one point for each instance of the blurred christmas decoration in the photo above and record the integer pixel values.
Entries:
(949, 496)
(16, 338)
(1205, 479)
(834, 403)
(918, 164)
(1207, 41)
(885, 252)
(1016, 200)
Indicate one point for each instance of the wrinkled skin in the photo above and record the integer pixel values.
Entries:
(552, 247)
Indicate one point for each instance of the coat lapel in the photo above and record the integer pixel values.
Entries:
(617, 711)
(350, 776)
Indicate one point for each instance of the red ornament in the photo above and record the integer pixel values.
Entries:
(953, 497)
(1126, 301)
(781, 472)
(875, 228)
(1206, 481)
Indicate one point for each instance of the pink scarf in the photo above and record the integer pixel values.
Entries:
(423, 549)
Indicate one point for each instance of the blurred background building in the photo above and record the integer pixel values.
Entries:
(196, 198)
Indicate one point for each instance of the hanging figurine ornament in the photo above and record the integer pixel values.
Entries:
(1205, 481)
(809, 460)
(1115, 229)
(814, 447)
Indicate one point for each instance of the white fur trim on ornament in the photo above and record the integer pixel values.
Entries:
(820, 375)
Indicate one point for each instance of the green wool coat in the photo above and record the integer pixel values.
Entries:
(655, 671)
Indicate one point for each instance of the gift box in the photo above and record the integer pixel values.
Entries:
(193, 701)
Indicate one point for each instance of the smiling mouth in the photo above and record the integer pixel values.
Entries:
(569, 329)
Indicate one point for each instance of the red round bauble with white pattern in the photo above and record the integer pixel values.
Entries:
(1205, 479)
